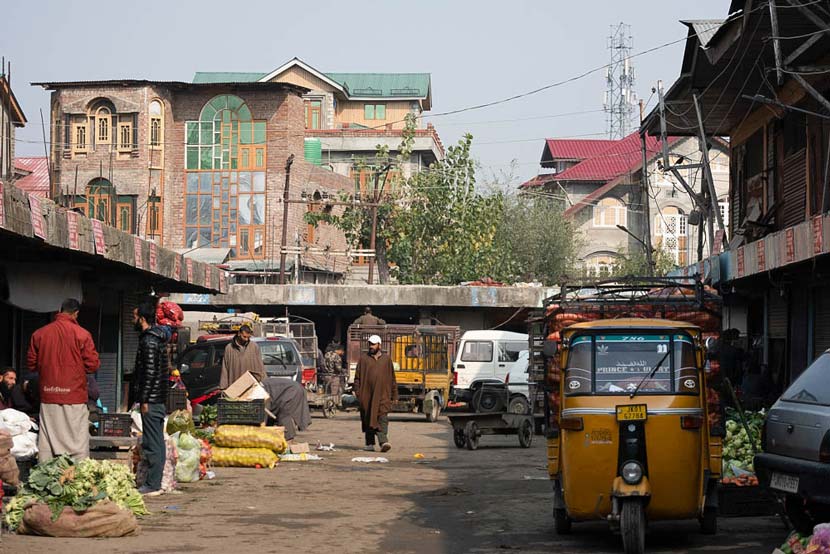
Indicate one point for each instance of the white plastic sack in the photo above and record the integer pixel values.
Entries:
(25, 446)
(15, 422)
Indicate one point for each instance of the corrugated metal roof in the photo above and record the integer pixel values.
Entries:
(538, 181)
(622, 156)
(705, 29)
(36, 182)
(404, 85)
(574, 149)
(227, 77)
(205, 255)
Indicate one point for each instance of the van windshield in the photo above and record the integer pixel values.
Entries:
(278, 353)
(618, 363)
(812, 386)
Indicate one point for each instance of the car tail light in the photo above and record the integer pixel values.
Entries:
(824, 450)
(309, 375)
(571, 423)
(507, 379)
(691, 422)
(454, 378)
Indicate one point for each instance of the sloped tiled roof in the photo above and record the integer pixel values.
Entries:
(574, 149)
(36, 182)
(622, 156)
(538, 181)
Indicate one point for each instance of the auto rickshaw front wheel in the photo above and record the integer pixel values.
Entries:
(633, 526)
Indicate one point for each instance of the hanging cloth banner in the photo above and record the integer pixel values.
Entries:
(189, 263)
(98, 234)
(139, 258)
(154, 257)
(177, 268)
(72, 229)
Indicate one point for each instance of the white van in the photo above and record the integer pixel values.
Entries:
(492, 357)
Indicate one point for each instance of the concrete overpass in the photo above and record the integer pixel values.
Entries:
(334, 307)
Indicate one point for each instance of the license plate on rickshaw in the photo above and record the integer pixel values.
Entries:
(635, 412)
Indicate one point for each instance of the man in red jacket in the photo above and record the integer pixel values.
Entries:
(63, 353)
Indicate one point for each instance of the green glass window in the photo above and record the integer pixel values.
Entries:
(369, 111)
(380, 111)
(245, 132)
(259, 132)
(192, 157)
(192, 132)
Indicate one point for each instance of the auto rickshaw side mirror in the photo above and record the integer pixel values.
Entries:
(549, 348)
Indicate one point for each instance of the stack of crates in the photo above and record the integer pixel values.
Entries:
(536, 369)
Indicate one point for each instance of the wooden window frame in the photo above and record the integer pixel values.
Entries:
(125, 126)
(601, 213)
(156, 126)
(103, 120)
(374, 112)
(78, 146)
(311, 109)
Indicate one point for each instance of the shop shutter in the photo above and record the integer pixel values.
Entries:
(821, 320)
(795, 188)
(129, 337)
(777, 315)
(107, 376)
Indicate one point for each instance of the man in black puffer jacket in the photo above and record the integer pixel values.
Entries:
(152, 382)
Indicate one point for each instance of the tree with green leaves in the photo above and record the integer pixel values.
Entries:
(635, 263)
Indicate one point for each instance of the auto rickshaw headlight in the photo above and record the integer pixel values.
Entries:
(632, 473)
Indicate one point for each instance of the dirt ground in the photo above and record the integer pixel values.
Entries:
(494, 499)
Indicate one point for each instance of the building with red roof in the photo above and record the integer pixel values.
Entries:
(600, 184)
(32, 175)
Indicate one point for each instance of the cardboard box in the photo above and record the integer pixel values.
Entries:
(300, 448)
(246, 388)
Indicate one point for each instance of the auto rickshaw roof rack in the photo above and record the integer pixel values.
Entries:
(613, 294)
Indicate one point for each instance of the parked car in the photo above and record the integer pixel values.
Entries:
(796, 459)
(486, 359)
(201, 364)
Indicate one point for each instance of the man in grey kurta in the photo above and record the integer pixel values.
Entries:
(241, 355)
(287, 401)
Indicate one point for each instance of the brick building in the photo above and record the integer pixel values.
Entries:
(193, 166)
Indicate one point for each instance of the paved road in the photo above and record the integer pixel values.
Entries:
(496, 499)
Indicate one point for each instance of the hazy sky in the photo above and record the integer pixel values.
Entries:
(476, 52)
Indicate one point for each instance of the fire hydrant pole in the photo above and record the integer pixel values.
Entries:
(285, 204)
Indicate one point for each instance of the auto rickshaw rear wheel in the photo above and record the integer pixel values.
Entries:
(561, 522)
(471, 434)
(633, 526)
(458, 437)
(525, 433)
(709, 521)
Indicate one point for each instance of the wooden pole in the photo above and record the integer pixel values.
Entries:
(707, 173)
(373, 236)
(48, 162)
(288, 163)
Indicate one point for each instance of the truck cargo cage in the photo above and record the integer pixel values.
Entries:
(614, 296)
(298, 328)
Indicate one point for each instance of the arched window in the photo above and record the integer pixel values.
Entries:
(610, 212)
(600, 264)
(101, 200)
(225, 182)
(103, 121)
(156, 124)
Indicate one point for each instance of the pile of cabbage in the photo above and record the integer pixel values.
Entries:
(62, 483)
(738, 451)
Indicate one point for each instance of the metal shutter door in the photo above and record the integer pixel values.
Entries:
(107, 376)
(795, 188)
(777, 315)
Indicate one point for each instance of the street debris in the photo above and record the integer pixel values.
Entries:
(370, 459)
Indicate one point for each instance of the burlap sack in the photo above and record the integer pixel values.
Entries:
(6, 440)
(9, 472)
(105, 519)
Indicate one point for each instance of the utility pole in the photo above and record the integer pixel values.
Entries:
(646, 203)
(707, 172)
(288, 163)
(620, 97)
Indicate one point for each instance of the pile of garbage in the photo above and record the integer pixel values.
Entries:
(91, 498)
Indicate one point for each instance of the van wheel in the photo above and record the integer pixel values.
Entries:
(633, 526)
(518, 405)
(487, 401)
(709, 521)
(561, 521)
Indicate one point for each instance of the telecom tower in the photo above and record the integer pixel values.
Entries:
(620, 99)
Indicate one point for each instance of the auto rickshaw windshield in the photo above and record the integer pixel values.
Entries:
(616, 363)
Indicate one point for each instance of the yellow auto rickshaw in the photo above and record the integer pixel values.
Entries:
(633, 444)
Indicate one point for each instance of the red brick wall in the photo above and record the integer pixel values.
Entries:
(285, 134)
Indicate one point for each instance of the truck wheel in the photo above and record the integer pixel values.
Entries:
(633, 526)
(471, 434)
(458, 437)
(709, 521)
(561, 521)
(525, 433)
(518, 405)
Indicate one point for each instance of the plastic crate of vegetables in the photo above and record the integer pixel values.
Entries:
(240, 412)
